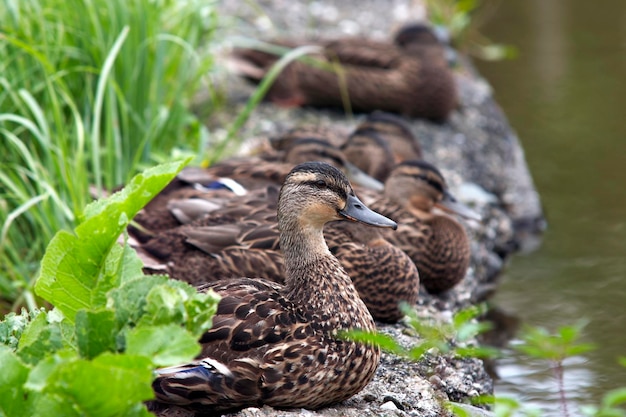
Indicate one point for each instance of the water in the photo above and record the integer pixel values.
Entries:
(565, 96)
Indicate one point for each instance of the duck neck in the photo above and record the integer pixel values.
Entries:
(316, 278)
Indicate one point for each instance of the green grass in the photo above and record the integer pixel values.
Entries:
(91, 92)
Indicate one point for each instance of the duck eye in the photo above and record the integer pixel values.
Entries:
(321, 184)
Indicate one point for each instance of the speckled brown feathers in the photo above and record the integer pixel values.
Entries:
(217, 247)
(435, 241)
(277, 344)
(383, 274)
(410, 76)
(379, 142)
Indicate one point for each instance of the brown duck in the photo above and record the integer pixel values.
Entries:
(278, 344)
(416, 195)
(379, 142)
(409, 76)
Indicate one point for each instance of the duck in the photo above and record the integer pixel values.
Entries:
(416, 195)
(281, 345)
(384, 275)
(409, 76)
(379, 143)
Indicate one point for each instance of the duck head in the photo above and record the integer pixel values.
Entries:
(420, 188)
(315, 193)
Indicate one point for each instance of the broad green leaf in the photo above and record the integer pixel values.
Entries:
(66, 328)
(96, 332)
(39, 339)
(166, 345)
(62, 275)
(156, 299)
(108, 276)
(38, 377)
(74, 264)
(53, 405)
(109, 385)
(131, 266)
(164, 305)
(12, 378)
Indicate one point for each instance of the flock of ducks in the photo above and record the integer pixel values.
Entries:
(319, 259)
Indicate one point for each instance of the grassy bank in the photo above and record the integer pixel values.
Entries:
(91, 92)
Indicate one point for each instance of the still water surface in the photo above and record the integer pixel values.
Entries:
(565, 95)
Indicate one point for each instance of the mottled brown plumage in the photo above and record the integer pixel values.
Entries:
(278, 344)
(379, 142)
(333, 135)
(416, 195)
(410, 76)
(383, 274)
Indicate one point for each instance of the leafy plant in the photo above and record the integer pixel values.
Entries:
(461, 18)
(91, 92)
(94, 353)
(538, 343)
(437, 337)
(555, 348)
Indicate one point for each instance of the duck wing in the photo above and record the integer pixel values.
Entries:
(254, 349)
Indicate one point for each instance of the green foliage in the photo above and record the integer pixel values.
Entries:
(95, 352)
(450, 337)
(536, 342)
(91, 92)
(510, 407)
(541, 344)
(461, 18)
(441, 338)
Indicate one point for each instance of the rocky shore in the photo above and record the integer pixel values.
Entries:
(477, 152)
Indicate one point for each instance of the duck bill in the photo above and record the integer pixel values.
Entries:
(356, 211)
(359, 177)
(449, 204)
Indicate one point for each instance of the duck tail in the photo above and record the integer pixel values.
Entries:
(184, 384)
